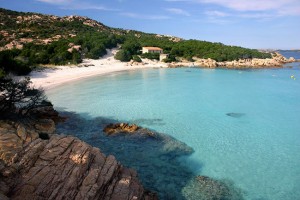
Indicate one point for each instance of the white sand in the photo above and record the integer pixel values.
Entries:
(49, 78)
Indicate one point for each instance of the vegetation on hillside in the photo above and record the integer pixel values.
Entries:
(217, 51)
(29, 39)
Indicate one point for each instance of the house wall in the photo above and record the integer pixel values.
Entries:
(145, 50)
(163, 56)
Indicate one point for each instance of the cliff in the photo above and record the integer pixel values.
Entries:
(37, 164)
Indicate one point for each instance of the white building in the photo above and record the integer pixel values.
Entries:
(152, 50)
(163, 56)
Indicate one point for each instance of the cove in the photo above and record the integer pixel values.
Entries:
(237, 126)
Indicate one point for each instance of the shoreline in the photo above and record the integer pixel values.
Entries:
(48, 78)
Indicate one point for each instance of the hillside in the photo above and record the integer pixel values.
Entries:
(28, 39)
(19, 28)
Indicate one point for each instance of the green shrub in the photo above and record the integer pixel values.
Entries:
(123, 56)
(76, 57)
(152, 56)
(2, 73)
(171, 58)
(9, 63)
(136, 58)
(96, 52)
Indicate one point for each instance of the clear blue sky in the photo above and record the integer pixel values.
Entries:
(247, 23)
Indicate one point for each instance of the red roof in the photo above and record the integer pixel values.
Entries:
(153, 48)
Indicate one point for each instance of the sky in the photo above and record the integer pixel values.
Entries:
(258, 24)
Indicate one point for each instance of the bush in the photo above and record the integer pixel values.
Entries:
(2, 73)
(10, 64)
(152, 56)
(96, 52)
(136, 58)
(76, 57)
(171, 58)
(123, 56)
(132, 46)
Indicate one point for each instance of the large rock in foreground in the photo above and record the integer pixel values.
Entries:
(65, 167)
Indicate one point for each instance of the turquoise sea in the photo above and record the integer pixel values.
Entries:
(239, 127)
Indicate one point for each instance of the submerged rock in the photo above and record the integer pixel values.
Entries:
(212, 189)
(206, 188)
(235, 115)
(126, 128)
(120, 128)
(217, 190)
(62, 167)
(159, 160)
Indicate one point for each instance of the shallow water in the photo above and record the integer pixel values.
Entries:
(243, 126)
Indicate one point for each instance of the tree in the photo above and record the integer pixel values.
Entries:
(96, 52)
(136, 58)
(19, 98)
(76, 57)
(132, 46)
(123, 55)
(8, 63)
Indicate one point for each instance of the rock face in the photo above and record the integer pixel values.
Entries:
(13, 136)
(120, 127)
(62, 167)
(126, 128)
(46, 112)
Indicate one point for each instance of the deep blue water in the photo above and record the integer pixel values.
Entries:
(241, 127)
(287, 54)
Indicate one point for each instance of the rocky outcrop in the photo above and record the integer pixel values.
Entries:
(120, 127)
(62, 167)
(277, 60)
(73, 47)
(125, 128)
(46, 112)
(14, 135)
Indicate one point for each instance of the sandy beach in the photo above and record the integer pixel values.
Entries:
(51, 77)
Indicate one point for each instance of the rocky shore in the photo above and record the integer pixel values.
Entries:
(36, 163)
(277, 60)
